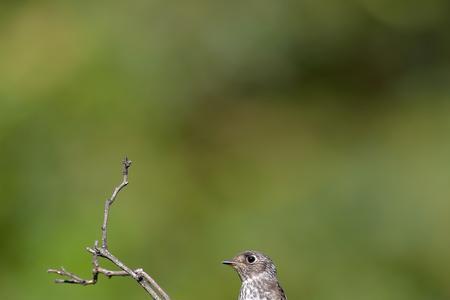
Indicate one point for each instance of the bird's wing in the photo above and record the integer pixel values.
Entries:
(283, 295)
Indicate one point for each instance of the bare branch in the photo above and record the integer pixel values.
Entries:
(147, 282)
(72, 277)
(126, 165)
(153, 283)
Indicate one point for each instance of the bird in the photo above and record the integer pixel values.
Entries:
(258, 276)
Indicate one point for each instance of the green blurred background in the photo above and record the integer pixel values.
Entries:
(315, 131)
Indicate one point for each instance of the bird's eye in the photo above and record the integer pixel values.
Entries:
(251, 259)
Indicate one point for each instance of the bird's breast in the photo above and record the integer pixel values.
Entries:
(258, 290)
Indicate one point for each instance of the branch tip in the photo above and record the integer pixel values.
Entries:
(126, 165)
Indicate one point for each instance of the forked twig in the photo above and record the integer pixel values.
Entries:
(147, 282)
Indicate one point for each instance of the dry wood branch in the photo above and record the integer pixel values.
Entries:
(147, 282)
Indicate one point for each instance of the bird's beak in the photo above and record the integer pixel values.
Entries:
(228, 262)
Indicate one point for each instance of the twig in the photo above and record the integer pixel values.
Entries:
(147, 282)
(126, 165)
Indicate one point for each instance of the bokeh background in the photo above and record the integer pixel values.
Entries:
(315, 131)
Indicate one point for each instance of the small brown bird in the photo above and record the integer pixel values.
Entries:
(258, 276)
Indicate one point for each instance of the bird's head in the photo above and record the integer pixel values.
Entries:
(252, 264)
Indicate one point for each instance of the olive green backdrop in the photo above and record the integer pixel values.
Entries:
(315, 131)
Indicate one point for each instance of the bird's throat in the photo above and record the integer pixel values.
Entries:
(258, 288)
